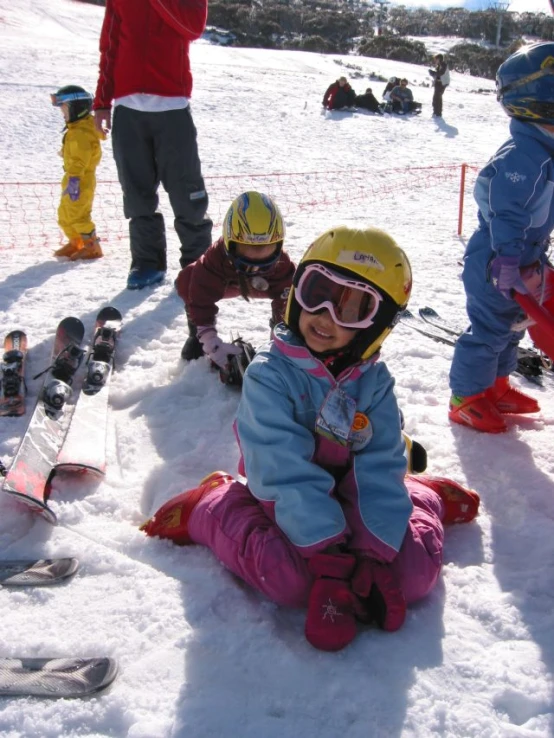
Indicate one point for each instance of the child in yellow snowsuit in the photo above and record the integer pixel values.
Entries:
(81, 152)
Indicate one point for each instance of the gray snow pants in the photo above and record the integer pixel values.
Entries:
(150, 148)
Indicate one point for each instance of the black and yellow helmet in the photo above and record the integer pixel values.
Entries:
(369, 256)
(78, 100)
(253, 219)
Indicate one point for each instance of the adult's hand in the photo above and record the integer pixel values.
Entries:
(103, 120)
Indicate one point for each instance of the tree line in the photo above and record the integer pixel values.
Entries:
(349, 27)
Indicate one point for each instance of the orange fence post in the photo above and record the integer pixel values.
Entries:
(462, 192)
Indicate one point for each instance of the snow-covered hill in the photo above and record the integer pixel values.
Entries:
(200, 654)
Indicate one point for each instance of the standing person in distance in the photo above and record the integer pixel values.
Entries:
(247, 261)
(508, 251)
(81, 153)
(145, 71)
(328, 519)
(441, 77)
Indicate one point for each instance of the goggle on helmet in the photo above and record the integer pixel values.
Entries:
(525, 84)
(361, 276)
(78, 100)
(255, 220)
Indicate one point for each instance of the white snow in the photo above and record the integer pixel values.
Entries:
(201, 654)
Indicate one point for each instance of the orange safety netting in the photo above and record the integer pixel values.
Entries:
(28, 210)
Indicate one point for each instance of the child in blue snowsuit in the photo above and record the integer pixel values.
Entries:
(514, 193)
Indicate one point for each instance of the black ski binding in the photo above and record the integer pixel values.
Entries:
(11, 372)
(233, 373)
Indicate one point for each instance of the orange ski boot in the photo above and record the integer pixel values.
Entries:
(171, 520)
(478, 412)
(461, 505)
(72, 247)
(508, 399)
(91, 248)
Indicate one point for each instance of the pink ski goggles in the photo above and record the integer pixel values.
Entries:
(352, 304)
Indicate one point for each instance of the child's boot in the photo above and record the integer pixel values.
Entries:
(171, 520)
(508, 399)
(91, 247)
(192, 348)
(478, 412)
(73, 246)
(461, 505)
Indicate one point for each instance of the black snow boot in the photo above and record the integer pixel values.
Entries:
(193, 348)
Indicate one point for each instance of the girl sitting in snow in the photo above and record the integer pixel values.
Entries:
(328, 518)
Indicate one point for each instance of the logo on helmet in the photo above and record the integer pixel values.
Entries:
(357, 257)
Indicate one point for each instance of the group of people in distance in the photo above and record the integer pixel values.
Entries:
(327, 514)
(397, 98)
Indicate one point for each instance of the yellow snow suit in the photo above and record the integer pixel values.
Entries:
(81, 152)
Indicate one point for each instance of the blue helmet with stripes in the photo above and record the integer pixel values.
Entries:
(525, 84)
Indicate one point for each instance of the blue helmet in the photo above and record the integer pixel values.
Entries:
(525, 84)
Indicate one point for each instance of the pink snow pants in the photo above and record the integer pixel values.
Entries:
(231, 522)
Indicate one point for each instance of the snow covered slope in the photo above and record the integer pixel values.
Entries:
(200, 654)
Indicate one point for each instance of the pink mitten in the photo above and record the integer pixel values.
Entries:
(330, 622)
(380, 593)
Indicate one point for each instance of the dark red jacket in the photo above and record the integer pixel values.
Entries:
(144, 47)
(213, 277)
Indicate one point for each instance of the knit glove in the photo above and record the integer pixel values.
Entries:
(73, 189)
(380, 594)
(216, 349)
(505, 276)
(331, 622)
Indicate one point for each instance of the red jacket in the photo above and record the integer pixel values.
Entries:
(144, 47)
(213, 277)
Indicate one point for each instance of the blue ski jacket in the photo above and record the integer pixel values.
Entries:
(514, 193)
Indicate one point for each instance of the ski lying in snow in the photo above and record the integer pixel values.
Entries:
(433, 318)
(36, 572)
(70, 677)
(407, 318)
(12, 374)
(84, 447)
(529, 361)
(28, 476)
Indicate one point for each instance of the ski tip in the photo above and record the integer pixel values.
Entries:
(35, 505)
(36, 572)
(109, 313)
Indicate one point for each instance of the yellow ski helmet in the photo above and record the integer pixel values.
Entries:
(253, 219)
(369, 256)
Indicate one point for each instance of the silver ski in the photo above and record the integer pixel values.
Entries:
(29, 475)
(36, 572)
(84, 447)
(71, 677)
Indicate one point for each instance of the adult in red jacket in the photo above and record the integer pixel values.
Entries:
(339, 95)
(145, 72)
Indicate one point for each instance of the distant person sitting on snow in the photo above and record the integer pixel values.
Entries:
(391, 84)
(339, 95)
(81, 153)
(368, 101)
(441, 76)
(248, 260)
(510, 248)
(402, 99)
(327, 519)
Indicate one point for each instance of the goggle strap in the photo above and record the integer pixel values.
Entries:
(69, 97)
